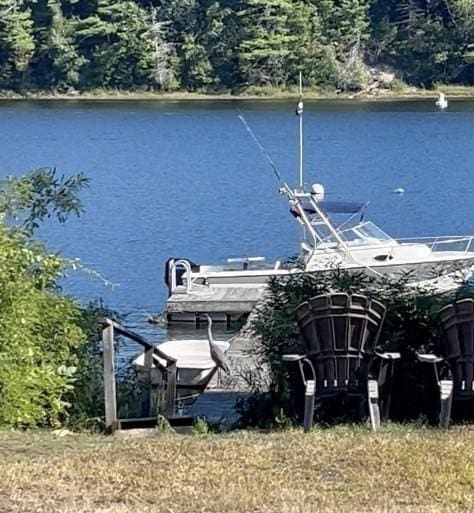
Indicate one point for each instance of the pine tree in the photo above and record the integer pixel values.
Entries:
(66, 61)
(16, 44)
(344, 22)
(118, 41)
(56, 63)
(219, 36)
(267, 41)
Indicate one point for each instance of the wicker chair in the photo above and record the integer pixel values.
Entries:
(454, 370)
(340, 334)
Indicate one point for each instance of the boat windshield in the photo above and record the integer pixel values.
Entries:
(362, 234)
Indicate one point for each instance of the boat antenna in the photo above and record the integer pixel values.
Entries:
(299, 113)
(268, 158)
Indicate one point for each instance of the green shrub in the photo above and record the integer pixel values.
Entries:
(50, 365)
(39, 331)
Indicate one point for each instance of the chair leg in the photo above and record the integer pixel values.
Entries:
(374, 411)
(385, 387)
(361, 410)
(446, 396)
(309, 396)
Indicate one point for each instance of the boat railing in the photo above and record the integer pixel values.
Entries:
(435, 245)
(445, 243)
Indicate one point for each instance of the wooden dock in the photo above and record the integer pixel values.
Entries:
(224, 304)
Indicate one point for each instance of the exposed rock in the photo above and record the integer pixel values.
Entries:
(383, 75)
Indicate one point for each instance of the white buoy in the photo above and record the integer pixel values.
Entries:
(400, 190)
(441, 102)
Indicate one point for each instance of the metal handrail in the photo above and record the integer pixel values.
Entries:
(429, 242)
(173, 264)
(438, 237)
(433, 242)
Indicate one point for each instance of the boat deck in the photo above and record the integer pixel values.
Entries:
(223, 304)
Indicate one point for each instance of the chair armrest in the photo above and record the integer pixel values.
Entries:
(388, 356)
(428, 358)
(302, 360)
(293, 357)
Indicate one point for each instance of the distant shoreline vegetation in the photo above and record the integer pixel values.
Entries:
(355, 47)
(262, 94)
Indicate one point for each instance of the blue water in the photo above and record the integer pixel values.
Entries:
(185, 179)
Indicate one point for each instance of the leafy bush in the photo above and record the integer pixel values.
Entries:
(39, 331)
(50, 345)
(46, 360)
(28, 200)
(411, 325)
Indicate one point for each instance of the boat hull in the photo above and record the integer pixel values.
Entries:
(418, 271)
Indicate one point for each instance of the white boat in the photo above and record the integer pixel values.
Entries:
(336, 235)
(194, 365)
(354, 243)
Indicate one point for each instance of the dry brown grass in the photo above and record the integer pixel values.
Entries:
(345, 469)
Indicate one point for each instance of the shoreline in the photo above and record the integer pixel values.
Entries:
(456, 93)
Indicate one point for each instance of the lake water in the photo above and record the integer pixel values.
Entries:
(184, 179)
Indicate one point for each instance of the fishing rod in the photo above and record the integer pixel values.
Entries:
(284, 187)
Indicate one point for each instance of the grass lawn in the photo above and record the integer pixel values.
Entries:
(343, 469)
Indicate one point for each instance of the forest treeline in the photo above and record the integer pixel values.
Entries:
(231, 45)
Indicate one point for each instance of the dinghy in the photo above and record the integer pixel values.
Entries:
(195, 367)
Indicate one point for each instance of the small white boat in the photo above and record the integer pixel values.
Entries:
(442, 102)
(195, 367)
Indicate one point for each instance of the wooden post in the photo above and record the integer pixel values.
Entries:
(111, 423)
(157, 390)
(170, 396)
(146, 397)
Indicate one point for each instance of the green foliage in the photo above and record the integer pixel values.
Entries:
(41, 194)
(267, 42)
(38, 335)
(118, 44)
(201, 427)
(16, 44)
(228, 45)
(163, 426)
(86, 397)
(196, 70)
(50, 371)
(411, 325)
(66, 62)
(428, 42)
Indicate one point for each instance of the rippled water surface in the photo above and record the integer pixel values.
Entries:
(185, 179)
